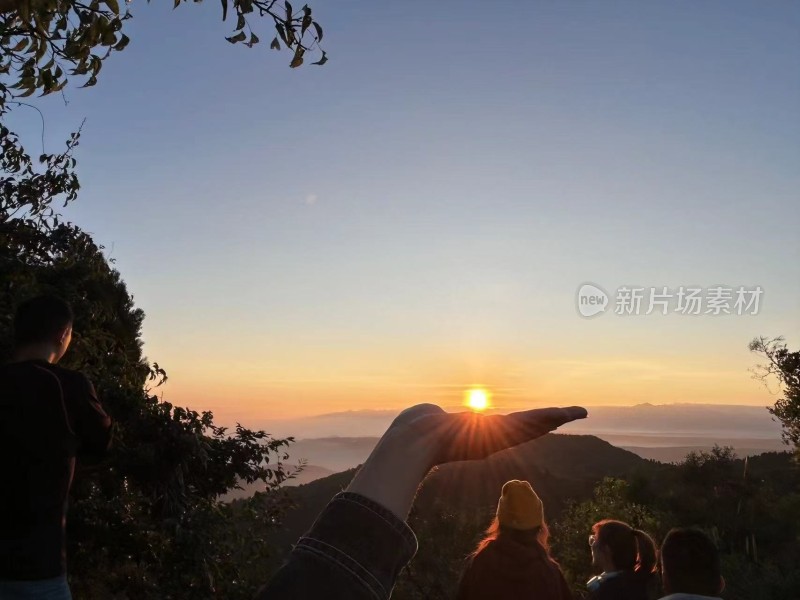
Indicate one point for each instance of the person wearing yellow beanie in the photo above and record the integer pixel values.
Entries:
(519, 506)
(513, 560)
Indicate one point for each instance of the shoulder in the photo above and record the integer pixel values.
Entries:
(624, 585)
(610, 588)
(486, 558)
(73, 381)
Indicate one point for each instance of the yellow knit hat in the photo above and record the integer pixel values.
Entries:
(519, 506)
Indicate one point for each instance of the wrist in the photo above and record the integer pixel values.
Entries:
(392, 473)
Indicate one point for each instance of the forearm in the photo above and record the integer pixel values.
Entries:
(360, 542)
(354, 551)
(392, 474)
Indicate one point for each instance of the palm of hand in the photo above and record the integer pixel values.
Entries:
(448, 437)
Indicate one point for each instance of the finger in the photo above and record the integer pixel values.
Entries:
(550, 418)
(518, 428)
(473, 436)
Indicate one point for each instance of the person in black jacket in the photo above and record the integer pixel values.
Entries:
(627, 560)
(47, 415)
(513, 561)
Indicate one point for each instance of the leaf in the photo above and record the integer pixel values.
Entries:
(282, 33)
(92, 81)
(319, 31)
(20, 45)
(41, 50)
(239, 37)
(122, 42)
(113, 5)
(275, 45)
(224, 9)
(306, 24)
(297, 60)
(253, 40)
(240, 23)
(288, 10)
(290, 38)
(177, 4)
(322, 60)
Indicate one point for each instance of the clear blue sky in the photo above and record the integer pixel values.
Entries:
(415, 216)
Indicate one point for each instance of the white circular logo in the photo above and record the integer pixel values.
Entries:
(591, 300)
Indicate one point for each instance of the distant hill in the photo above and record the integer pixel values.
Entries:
(308, 474)
(560, 467)
(711, 421)
(334, 453)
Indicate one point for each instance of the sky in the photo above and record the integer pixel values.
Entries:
(416, 217)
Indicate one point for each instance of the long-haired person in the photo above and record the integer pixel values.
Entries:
(513, 560)
(627, 560)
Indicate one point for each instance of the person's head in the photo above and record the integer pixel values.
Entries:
(520, 514)
(43, 324)
(690, 563)
(616, 546)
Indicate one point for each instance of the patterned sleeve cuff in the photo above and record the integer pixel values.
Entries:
(363, 538)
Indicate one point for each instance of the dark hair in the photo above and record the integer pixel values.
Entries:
(40, 318)
(540, 535)
(631, 549)
(690, 563)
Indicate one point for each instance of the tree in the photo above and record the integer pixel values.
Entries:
(785, 366)
(44, 42)
(148, 522)
(750, 507)
(611, 500)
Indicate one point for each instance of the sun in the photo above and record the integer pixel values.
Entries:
(477, 399)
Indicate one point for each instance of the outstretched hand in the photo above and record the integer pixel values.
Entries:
(424, 436)
(452, 437)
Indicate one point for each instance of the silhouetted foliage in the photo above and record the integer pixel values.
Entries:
(147, 522)
(45, 41)
(611, 499)
(751, 508)
(446, 537)
(783, 365)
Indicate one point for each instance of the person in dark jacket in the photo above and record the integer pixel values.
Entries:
(690, 566)
(513, 561)
(627, 560)
(47, 415)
